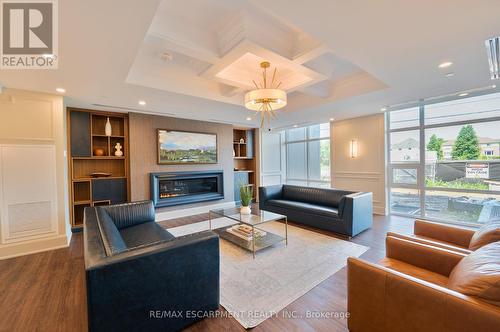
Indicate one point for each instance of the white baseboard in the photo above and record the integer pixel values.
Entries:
(32, 247)
(161, 216)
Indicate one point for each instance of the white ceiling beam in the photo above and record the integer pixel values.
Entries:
(186, 47)
(311, 54)
(229, 91)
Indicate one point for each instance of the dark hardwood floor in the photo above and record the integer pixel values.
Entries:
(46, 291)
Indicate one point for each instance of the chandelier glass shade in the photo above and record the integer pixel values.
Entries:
(255, 99)
(266, 99)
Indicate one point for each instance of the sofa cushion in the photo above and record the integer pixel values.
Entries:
(111, 238)
(305, 207)
(144, 234)
(486, 234)
(414, 271)
(478, 274)
(129, 214)
(319, 196)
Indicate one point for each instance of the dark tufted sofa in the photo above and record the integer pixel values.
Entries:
(344, 212)
(142, 278)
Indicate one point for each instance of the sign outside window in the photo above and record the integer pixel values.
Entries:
(477, 171)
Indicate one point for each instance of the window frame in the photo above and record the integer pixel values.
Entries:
(420, 166)
(308, 139)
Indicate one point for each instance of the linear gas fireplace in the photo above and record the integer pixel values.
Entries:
(174, 188)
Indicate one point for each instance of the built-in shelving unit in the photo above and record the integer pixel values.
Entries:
(243, 143)
(244, 161)
(92, 151)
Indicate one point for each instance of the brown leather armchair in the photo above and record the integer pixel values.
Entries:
(406, 291)
(449, 237)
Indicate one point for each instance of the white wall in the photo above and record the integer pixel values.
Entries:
(367, 171)
(272, 158)
(33, 173)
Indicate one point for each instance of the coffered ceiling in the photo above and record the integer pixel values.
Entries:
(216, 55)
(197, 58)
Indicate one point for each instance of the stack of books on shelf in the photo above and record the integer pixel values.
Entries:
(245, 232)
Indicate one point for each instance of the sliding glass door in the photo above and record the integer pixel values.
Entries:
(444, 160)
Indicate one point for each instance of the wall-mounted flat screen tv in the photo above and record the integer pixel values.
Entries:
(183, 147)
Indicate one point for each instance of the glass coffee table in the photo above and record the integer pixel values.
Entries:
(247, 232)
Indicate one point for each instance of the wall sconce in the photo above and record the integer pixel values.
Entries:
(353, 148)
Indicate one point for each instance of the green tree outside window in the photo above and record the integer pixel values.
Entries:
(466, 146)
(435, 144)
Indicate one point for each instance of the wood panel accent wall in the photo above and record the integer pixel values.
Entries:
(367, 171)
(143, 153)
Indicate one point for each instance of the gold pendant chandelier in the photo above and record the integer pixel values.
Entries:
(266, 100)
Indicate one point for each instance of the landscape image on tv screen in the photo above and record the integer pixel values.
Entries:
(179, 147)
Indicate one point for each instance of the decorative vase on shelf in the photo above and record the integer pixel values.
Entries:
(98, 152)
(118, 148)
(107, 128)
(245, 210)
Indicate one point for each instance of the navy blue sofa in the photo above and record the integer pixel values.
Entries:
(140, 277)
(340, 211)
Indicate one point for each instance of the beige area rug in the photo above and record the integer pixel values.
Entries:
(253, 290)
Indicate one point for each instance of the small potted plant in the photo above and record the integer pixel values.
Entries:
(246, 194)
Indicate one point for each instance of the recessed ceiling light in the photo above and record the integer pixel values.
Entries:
(331, 119)
(142, 102)
(463, 94)
(383, 109)
(61, 90)
(493, 86)
(249, 119)
(445, 64)
(295, 126)
(450, 74)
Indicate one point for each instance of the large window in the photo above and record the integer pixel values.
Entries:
(308, 155)
(444, 160)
